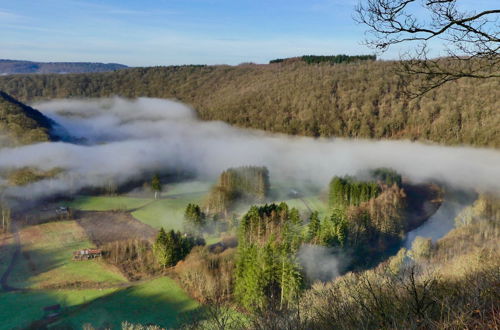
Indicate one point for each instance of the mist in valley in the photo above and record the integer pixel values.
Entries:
(118, 140)
(113, 141)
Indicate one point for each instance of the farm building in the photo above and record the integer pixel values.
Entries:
(87, 254)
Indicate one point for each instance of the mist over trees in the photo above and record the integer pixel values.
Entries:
(248, 183)
(358, 100)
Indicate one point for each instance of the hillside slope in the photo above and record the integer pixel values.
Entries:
(21, 124)
(359, 100)
(25, 67)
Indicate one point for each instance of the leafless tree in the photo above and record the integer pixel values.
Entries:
(471, 39)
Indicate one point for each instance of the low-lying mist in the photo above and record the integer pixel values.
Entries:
(120, 140)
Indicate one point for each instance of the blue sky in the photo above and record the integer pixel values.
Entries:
(165, 32)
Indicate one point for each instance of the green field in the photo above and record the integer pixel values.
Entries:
(188, 187)
(306, 204)
(46, 258)
(168, 212)
(160, 301)
(107, 203)
(20, 309)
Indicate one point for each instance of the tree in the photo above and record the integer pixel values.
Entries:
(156, 185)
(314, 227)
(171, 247)
(5, 215)
(194, 218)
(471, 37)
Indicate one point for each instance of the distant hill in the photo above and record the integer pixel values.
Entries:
(26, 67)
(21, 124)
(356, 100)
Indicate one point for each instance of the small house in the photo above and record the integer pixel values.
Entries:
(87, 254)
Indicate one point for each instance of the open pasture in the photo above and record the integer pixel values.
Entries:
(160, 301)
(107, 203)
(20, 309)
(46, 259)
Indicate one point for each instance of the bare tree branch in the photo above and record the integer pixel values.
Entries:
(472, 39)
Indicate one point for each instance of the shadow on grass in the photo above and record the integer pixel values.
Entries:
(158, 302)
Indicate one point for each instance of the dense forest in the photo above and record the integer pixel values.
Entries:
(24, 67)
(21, 124)
(358, 100)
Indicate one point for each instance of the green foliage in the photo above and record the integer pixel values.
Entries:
(314, 227)
(387, 176)
(194, 219)
(267, 272)
(248, 183)
(347, 191)
(333, 231)
(171, 247)
(156, 185)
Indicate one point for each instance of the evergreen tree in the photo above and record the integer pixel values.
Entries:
(194, 219)
(314, 227)
(266, 269)
(156, 185)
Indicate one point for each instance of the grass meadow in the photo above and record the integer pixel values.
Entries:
(46, 259)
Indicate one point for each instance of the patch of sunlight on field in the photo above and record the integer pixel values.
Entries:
(46, 258)
(20, 309)
(107, 203)
(169, 212)
(188, 187)
(160, 301)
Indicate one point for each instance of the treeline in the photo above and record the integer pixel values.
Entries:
(337, 59)
(346, 191)
(332, 59)
(246, 184)
(21, 124)
(360, 100)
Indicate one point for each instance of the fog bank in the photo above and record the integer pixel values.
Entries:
(121, 139)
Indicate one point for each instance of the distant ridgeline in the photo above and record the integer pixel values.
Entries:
(348, 190)
(27, 67)
(21, 124)
(333, 59)
(248, 183)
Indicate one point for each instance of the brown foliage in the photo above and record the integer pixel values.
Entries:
(362, 100)
(207, 276)
(134, 258)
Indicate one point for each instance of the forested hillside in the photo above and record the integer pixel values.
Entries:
(20, 124)
(360, 100)
(20, 67)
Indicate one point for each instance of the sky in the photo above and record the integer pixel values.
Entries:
(171, 32)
